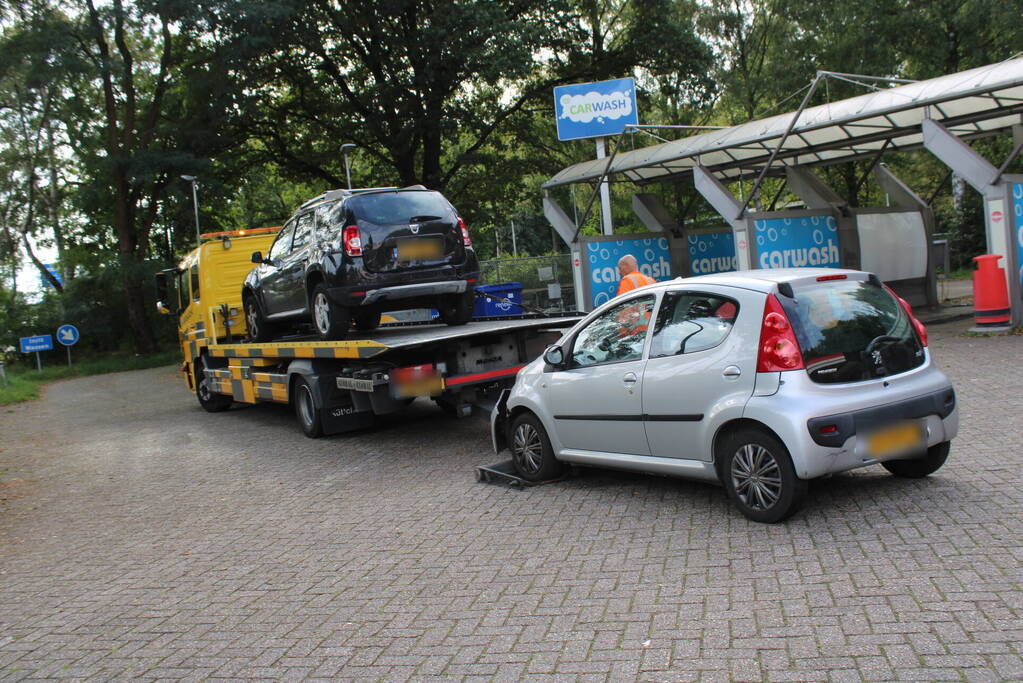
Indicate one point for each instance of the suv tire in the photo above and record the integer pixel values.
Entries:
(366, 320)
(759, 477)
(920, 467)
(330, 320)
(531, 450)
(457, 310)
(259, 329)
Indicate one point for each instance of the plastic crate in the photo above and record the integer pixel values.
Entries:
(489, 307)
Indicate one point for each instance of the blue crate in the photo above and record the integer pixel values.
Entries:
(487, 307)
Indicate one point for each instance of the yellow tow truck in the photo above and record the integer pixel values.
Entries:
(334, 386)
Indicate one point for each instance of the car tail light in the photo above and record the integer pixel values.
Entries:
(466, 240)
(921, 331)
(779, 349)
(352, 240)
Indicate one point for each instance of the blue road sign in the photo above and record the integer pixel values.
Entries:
(52, 268)
(593, 110)
(42, 342)
(67, 335)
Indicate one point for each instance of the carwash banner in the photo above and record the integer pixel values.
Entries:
(797, 242)
(593, 110)
(712, 252)
(1017, 214)
(653, 255)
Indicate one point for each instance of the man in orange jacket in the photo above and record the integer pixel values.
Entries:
(631, 277)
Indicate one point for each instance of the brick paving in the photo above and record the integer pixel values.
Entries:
(141, 538)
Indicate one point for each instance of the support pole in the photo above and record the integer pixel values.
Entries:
(39, 362)
(605, 192)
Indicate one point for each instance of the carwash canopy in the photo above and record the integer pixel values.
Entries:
(939, 114)
(969, 104)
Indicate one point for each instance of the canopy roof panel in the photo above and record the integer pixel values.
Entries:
(973, 103)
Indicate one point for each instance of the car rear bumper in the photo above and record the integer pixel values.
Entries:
(420, 295)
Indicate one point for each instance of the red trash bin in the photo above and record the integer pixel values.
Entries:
(990, 292)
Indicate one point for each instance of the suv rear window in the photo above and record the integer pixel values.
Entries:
(851, 331)
(389, 208)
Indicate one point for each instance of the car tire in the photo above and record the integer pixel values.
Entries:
(210, 401)
(259, 330)
(531, 450)
(458, 309)
(309, 418)
(365, 321)
(918, 468)
(759, 477)
(330, 320)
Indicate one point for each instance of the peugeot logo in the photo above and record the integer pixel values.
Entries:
(414, 227)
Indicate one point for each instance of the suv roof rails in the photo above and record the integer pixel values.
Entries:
(331, 195)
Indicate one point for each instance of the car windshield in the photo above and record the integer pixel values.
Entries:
(389, 208)
(851, 331)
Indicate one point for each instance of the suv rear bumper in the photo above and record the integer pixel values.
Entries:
(420, 295)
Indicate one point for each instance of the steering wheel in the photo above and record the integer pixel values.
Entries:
(877, 341)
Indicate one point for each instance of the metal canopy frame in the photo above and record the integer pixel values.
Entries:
(970, 104)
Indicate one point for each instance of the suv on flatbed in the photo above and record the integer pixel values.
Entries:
(347, 256)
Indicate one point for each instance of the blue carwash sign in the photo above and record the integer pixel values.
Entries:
(41, 342)
(593, 110)
(797, 242)
(1017, 214)
(652, 255)
(712, 252)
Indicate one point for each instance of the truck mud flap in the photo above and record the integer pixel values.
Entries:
(338, 412)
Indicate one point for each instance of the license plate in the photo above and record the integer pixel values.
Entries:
(427, 386)
(419, 250)
(898, 438)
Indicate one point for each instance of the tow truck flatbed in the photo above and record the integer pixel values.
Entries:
(384, 339)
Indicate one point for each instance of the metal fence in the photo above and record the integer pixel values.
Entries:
(546, 280)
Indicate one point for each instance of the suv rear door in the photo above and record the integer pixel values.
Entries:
(406, 229)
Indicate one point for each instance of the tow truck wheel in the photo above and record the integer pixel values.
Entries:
(210, 401)
(305, 409)
(458, 309)
(330, 320)
(366, 320)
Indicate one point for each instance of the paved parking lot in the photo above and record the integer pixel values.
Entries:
(143, 538)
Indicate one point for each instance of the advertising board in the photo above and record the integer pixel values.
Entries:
(712, 252)
(797, 241)
(652, 252)
(593, 110)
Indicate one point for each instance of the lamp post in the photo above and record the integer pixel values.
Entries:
(195, 203)
(345, 149)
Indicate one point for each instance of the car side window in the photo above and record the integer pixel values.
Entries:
(303, 231)
(691, 321)
(195, 281)
(323, 212)
(283, 242)
(616, 335)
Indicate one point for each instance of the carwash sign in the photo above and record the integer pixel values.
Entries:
(653, 257)
(593, 110)
(797, 242)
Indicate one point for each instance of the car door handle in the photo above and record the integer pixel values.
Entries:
(732, 371)
(630, 378)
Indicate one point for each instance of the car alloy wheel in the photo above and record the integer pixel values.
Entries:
(756, 477)
(321, 312)
(527, 448)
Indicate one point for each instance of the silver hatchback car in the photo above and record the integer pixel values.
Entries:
(760, 380)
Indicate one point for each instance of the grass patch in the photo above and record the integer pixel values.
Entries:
(24, 383)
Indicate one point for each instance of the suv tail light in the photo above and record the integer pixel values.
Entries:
(466, 240)
(779, 349)
(351, 238)
(921, 331)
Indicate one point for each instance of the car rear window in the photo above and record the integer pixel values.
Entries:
(851, 331)
(388, 208)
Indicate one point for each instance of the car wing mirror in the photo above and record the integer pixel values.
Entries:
(554, 356)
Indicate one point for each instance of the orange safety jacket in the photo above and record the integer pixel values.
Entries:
(632, 281)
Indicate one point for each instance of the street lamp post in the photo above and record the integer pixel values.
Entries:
(195, 203)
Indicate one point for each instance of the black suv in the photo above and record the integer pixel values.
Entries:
(349, 255)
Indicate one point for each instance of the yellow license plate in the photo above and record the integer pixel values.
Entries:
(419, 250)
(895, 439)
